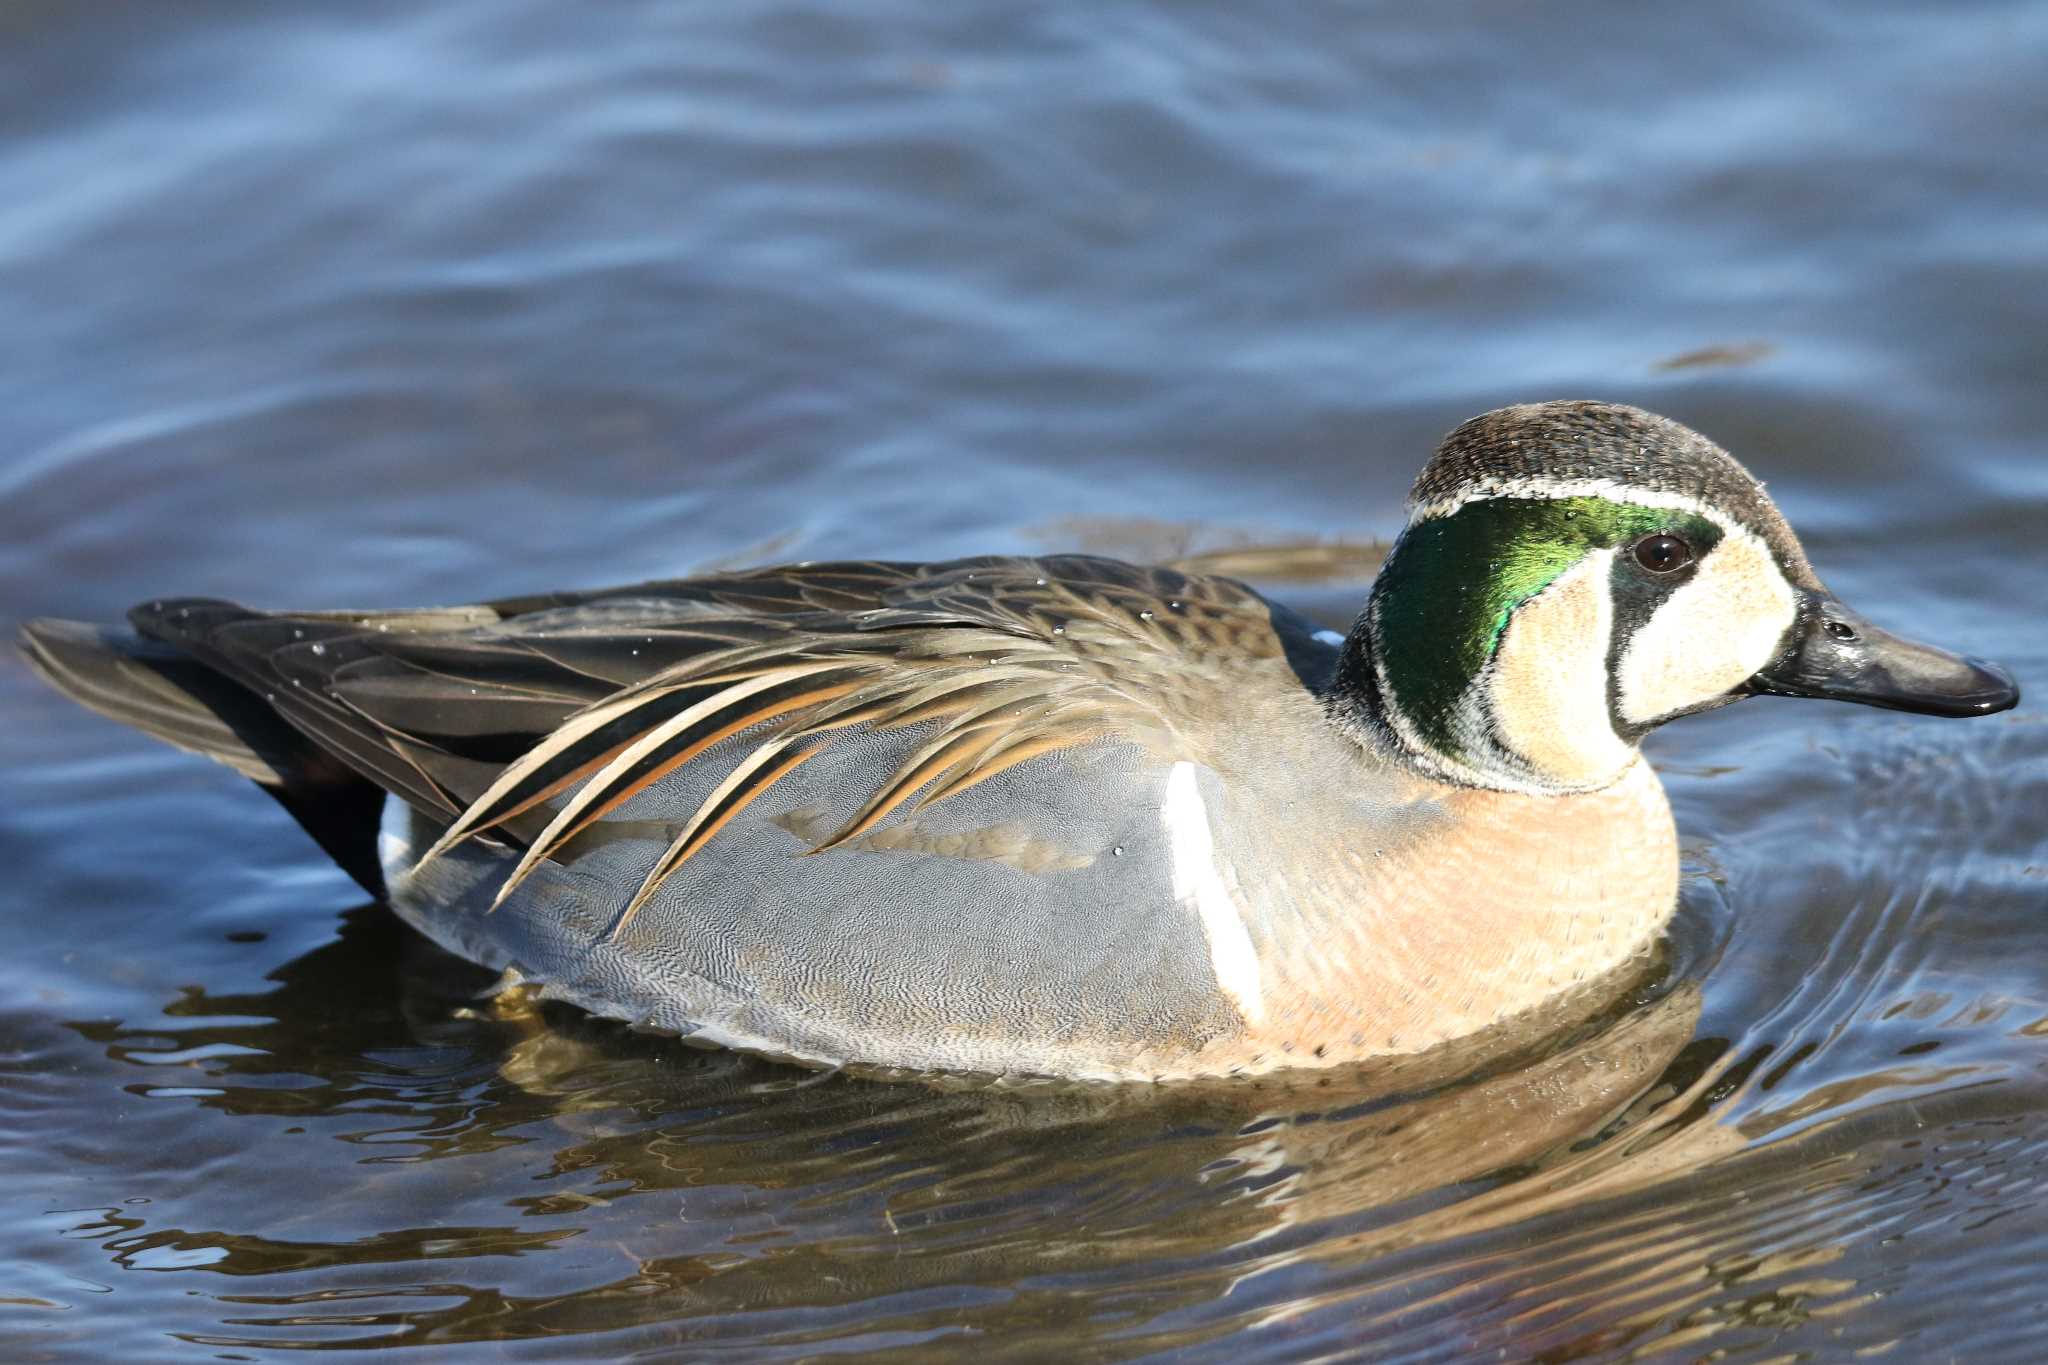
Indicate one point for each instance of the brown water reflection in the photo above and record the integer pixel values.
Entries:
(706, 1189)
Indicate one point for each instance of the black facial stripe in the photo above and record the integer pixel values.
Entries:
(1637, 595)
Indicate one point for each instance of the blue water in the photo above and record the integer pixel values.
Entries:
(385, 304)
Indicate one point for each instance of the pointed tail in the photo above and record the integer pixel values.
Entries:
(166, 693)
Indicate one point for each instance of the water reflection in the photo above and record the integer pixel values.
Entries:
(1631, 1182)
(720, 1187)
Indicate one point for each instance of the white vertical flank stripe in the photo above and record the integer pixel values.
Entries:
(394, 838)
(1197, 885)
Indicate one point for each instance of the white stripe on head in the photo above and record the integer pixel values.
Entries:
(1612, 490)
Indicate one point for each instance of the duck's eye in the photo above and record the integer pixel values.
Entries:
(1663, 553)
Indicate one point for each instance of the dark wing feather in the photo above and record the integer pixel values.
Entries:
(256, 651)
(560, 708)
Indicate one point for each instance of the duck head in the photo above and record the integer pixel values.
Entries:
(1574, 574)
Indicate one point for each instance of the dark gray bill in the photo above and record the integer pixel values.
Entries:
(1834, 653)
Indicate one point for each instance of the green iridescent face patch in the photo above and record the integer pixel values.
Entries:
(1446, 594)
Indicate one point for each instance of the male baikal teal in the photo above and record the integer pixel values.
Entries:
(1062, 816)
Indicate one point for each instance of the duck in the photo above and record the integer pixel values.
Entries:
(1059, 816)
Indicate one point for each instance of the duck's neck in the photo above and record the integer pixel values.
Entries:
(1531, 718)
(1353, 698)
(1359, 703)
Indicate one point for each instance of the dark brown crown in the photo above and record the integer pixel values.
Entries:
(1574, 440)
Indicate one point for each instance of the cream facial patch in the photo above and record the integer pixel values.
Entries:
(1709, 635)
(1547, 688)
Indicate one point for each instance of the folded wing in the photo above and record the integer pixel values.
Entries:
(528, 720)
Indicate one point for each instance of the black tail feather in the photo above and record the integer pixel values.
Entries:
(165, 692)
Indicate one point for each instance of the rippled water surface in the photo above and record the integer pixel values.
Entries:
(383, 304)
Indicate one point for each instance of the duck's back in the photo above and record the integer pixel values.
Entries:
(909, 815)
